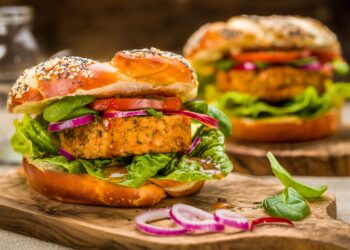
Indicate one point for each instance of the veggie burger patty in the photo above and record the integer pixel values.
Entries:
(271, 84)
(128, 136)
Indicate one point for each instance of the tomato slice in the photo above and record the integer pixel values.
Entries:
(167, 103)
(271, 56)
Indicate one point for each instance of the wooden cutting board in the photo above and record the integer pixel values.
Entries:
(325, 157)
(26, 211)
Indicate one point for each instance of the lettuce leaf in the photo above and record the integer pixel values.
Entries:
(32, 138)
(184, 170)
(41, 147)
(212, 146)
(92, 167)
(60, 162)
(144, 167)
(308, 104)
(188, 169)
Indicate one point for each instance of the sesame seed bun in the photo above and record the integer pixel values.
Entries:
(129, 73)
(249, 32)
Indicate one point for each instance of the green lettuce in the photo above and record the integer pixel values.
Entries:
(91, 167)
(144, 167)
(32, 138)
(308, 104)
(189, 168)
(184, 170)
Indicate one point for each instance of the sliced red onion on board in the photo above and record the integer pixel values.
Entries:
(194, 144)
(205, 119)
(231, 219)
(71, 123)
(64, 153)
(316, 65)
(193, 218)
(157, 214)
(246, 66)
(123, 114)
(265, 220)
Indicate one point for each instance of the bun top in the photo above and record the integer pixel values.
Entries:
(248, 32)
(129, 73)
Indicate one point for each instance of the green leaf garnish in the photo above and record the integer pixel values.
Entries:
(288, 204)
(154, 113)
(288, 181)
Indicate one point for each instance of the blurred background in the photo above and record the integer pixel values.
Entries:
(98, 29)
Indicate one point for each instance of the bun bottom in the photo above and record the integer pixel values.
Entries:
(285, 129)
(86, 189)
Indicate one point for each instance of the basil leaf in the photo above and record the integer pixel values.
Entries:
(303, 61)
(340, 67)
(154, 113)
(80, 112)
(224, 65)
(288, 204)
(60, 109)
(288, 181)
(261, 65)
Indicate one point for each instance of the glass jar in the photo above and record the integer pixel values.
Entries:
(18, 47)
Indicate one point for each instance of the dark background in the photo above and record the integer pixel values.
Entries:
(99, 28)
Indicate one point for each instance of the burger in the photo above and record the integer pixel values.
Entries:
(271, 75)
(121, 133)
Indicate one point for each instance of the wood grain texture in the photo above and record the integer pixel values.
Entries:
(26, 211)
(326, 157)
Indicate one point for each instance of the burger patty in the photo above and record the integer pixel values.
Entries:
(271, 84)
(128, 136)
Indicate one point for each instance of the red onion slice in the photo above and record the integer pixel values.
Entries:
(231, 219)
(64, 153)
(194, 144)
(71, 123)
(205, 119)
(316, 65)
(246, 66)
(123, 114)
(193, 218)
(265, 220)
(157, 214)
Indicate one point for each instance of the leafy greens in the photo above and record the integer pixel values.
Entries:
(308, 104)
(67, 108)
(291, 203)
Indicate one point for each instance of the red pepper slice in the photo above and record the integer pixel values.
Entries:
(265, 220)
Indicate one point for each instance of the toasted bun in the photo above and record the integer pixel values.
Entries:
(285, 129)
(178, 189)
(259, 32)
(86, 189)
(129, 73)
